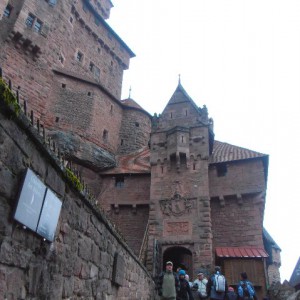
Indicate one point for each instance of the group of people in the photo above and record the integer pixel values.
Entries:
(177, 286)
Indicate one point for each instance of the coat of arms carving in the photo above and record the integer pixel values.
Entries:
(176, 206)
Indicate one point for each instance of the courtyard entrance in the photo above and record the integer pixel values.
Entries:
(181, 258)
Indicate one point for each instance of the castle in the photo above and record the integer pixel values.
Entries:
(173, 190)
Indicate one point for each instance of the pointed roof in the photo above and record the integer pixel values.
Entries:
(180, 95)
(130, 103)
(295, 278)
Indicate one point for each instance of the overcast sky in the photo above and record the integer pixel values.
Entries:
(242, 60)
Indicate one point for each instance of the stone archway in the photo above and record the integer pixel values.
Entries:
(181, 257)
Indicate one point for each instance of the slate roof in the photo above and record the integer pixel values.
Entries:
(139, 161)
(270, 240)
(239, 252)
(295, 278)
(180, 95)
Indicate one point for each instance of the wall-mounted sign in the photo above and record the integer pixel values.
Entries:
(38, 207)
(49, 216)
(30, 201)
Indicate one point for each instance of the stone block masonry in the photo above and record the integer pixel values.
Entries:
(79, 264)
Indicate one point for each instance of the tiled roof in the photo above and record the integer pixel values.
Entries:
(223, 152)
(131, 103)
(137, 162)
(238, 252)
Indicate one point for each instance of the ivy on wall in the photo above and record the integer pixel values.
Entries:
(9, 98)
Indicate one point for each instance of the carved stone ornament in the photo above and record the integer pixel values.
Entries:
(176, 206)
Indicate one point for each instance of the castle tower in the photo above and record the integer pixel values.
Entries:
(180, 223)
(68, 63)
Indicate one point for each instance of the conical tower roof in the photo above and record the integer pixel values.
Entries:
(180, 95)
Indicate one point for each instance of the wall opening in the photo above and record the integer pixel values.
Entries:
(181, 258)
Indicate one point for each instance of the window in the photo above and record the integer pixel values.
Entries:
(137, 124)
(119, 182)
(61, 59)
(97, 22)
(109, 35)
(96, 73)
(7, 11)
(182, 157)
(38, 25)
(105, 135)
(52, 2)
(173, 160)
(221, 170)
(79, 56)
(30, 20)
(91, 67)
(85, 8)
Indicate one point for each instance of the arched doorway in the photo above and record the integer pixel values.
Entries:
(181, 257)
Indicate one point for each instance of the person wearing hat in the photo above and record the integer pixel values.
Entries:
(200, 283)
(184, 292)
(168, 283)
(231, 295)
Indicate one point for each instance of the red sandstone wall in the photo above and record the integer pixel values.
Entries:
(241, 177)
(85, 110)
(136, 191)
(79, 263)
(135, 131)
(132, 223)
(237, 204)
(128, 206)
(66, 31)
(235, 224)
(3, 4)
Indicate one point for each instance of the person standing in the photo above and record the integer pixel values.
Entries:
(187, 277)
(231, 295)
(201, 283)
(246, 289)
(216, 286)
(184, 292)
(168, 283)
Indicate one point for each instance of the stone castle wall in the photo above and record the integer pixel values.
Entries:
(237, 223)
(79, 263)
(134, 132)
(67, 92)
(243, 177)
